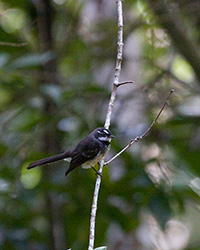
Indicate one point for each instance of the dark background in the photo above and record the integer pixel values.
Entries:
(54, 90)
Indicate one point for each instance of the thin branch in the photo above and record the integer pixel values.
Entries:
(12, 44)
(138, 138)
(123, 83)
(118, 62)
(116, 84)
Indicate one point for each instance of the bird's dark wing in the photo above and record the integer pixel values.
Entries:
(82, 153)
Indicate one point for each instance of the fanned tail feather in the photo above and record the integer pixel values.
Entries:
(49, 160)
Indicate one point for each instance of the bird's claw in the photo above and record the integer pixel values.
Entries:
(97, 173)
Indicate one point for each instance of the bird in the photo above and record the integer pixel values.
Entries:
(86, 154)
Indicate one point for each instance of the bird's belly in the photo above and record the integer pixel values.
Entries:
(68, 159)
(92, 162)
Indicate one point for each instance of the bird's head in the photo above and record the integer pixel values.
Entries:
(103, 134)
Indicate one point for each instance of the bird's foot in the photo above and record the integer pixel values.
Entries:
(97, 172)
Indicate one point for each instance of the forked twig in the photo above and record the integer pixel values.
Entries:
(123, 83)
(138, 138)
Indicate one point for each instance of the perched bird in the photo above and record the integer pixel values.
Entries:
(87, 153)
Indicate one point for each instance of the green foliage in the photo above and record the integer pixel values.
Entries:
(52, 93)
(31, 60)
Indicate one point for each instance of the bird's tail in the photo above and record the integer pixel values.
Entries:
(49, 160)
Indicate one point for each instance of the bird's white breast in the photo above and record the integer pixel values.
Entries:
(68, 159)
(92, 162)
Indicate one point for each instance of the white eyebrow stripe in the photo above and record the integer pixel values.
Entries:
(105, 131)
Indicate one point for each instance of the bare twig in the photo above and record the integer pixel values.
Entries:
(13, 44)
(144, 134)
(123, 83)
(118, 62)
(116, 84)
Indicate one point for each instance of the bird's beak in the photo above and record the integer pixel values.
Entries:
(112, 136)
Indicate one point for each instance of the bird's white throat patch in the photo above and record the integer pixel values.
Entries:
(104, 138)
(96, 159)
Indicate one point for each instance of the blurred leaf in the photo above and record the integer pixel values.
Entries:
(26, 120)
(52, 91)
(12, 20)
(30, 179)
(160, 208)
(182, 69)
(5, 97)
(190, 107)
(14, 3)
(4, 58)
(3, 149)
(31, 60)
